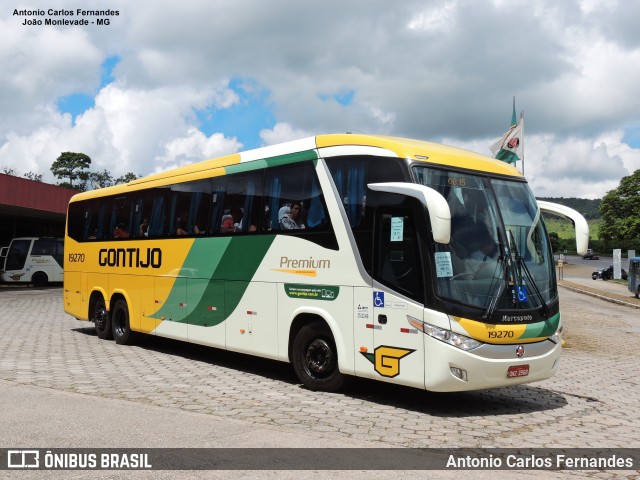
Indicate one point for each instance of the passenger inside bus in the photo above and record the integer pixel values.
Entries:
(120, 231)
(480, 248)
(293, 219)
(143, 231)
(182, 225)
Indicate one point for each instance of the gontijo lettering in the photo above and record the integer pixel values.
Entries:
(130, 257)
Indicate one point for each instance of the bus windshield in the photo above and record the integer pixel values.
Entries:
(17, 255)
(499, 257)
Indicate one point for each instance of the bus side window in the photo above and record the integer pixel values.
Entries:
(242, 203)
(157, 219)
(294, 183)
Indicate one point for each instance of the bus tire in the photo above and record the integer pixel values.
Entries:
(120, 323)
(315, 358)
(102, 320)
(39, 279)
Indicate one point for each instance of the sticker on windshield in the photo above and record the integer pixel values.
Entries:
(443, 265)
(522, 293)
(397, 228)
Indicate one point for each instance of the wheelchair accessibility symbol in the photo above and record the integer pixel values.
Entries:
(522, 293)
(378, 299)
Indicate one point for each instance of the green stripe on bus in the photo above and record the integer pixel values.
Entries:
(272, 162)
(542, 329)
(236, 269)
(225, 268)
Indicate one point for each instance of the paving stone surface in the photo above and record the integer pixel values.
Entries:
(592, 402)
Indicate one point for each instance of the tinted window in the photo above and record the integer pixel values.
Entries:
(351, 176)
(397, 260)
(17, 254)
(241, 203)
(294, 187)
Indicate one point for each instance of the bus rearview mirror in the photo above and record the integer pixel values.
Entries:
(439, 212)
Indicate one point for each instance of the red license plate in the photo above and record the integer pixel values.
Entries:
(518, 371)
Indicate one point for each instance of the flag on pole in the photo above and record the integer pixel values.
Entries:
(508, 147)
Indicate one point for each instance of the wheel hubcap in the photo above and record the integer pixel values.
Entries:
(319, 357)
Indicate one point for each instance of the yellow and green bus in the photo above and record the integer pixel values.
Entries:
(346, 255)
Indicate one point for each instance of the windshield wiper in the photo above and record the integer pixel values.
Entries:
(517, 275)
(501, 285)
(532, 282)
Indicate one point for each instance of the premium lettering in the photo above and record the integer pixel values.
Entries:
(130, 257)
(286, 262)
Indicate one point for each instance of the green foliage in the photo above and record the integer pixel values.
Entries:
(73, 166)
(36, 177)
(100, 179)
(561, 231)
(620, 211)
(127, 177)
(72, 169)
(590, 209)
(104, 179)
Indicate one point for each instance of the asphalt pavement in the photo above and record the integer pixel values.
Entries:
(575, 274)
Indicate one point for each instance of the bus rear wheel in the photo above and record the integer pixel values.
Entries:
(102, 320)
(120, 323)
(315, 358)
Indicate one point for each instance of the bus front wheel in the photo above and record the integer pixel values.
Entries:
(120, 323)
(39, 279)
(102, 320)
(315, 359)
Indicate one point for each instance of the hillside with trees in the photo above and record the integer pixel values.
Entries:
(614, 221)
(590, 209)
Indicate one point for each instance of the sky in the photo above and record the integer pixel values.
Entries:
(167, 83)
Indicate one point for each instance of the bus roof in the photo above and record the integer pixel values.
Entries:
(323, 146)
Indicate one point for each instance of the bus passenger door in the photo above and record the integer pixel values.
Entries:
(397, 297)
(363, 327)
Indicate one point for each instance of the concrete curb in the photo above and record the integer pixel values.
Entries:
(601, 295)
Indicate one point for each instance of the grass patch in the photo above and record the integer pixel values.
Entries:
(565, 230)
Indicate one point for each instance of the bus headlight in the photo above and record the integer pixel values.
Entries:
(447, 336)
(557, 337)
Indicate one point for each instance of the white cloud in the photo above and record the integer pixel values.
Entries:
(128, 130)
(431, 71)
(195, 147)
(435, 19)
(282, 132)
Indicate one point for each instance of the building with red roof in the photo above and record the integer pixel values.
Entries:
(31, 209)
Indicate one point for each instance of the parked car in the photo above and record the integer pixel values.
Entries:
(607, 274)
(590, 255)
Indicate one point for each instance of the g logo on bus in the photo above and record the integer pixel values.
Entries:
(386, 360)
(519, 351)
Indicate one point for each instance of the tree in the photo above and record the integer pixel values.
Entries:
(100, 179)
(620, 210)
(104, 179)
(8, 171)
(36, 177)
(127, 177)
(73, 166)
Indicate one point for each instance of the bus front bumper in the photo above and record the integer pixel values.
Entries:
(489, 366)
